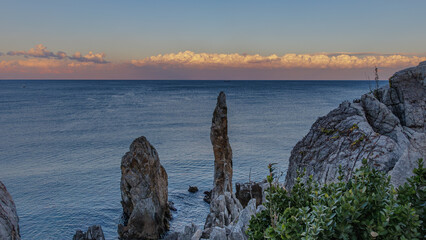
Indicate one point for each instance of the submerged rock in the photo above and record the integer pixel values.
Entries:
(144, 193)
(386, 127)
(224, 206)
(9, 221)
(93, 233)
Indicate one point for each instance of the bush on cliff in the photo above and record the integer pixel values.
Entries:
(365, 207)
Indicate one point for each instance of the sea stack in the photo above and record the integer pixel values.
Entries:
(386, 127)
(144, 193)
(9, 221)
(224, 206)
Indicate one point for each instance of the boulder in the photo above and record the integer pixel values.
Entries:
(9, 221)
(386, 127)
(144, 193)
(93, 233)
(224, 206)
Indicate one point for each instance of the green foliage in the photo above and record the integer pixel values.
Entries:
(365, 207)
(358, 141)
(328, 131)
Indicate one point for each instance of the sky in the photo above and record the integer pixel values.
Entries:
(210, 39)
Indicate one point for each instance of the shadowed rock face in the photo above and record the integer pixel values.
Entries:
(224, 206)
(9, 227)
(93, 233)
(386, 127)
(143, 192)
(246, 191)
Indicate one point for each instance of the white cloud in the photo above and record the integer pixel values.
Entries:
(311, 61)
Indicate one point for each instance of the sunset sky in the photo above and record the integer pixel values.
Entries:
(210, 39)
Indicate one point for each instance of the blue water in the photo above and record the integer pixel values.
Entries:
(61, 142)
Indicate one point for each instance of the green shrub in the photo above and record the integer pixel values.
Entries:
(365, 207)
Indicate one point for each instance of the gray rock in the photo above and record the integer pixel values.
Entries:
(144, 193)
(260, 208)
(9, 221)
(93, 233)
(218, 234)
(387, 127)
(189, 232)
(224, 206)
(197, 235)
(240, 225)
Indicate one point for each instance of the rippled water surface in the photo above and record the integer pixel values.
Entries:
(61, 142)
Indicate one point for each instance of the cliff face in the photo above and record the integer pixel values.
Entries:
(386, 127)
(9, 227)
(143, 192)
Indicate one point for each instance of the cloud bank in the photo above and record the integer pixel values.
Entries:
(287, 61)
(41, 63)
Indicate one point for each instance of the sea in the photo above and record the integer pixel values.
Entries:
(61, 142)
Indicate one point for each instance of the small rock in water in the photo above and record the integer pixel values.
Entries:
(207, 196)
(193, 189)
(172, 206)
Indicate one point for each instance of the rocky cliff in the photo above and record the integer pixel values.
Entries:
(386, 126)
(9, 227)
(143, 192)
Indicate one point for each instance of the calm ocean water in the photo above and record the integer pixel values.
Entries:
(61, 142)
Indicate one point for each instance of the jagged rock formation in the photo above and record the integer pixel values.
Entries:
(224, 206)
(143, 192)
(387, 127)
(240, 225)
(9, 221)
(246, 191)
(93, 233)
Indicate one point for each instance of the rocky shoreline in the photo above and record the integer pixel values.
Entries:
(386, 126)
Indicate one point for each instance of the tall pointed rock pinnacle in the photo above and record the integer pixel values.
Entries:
(224, 207)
